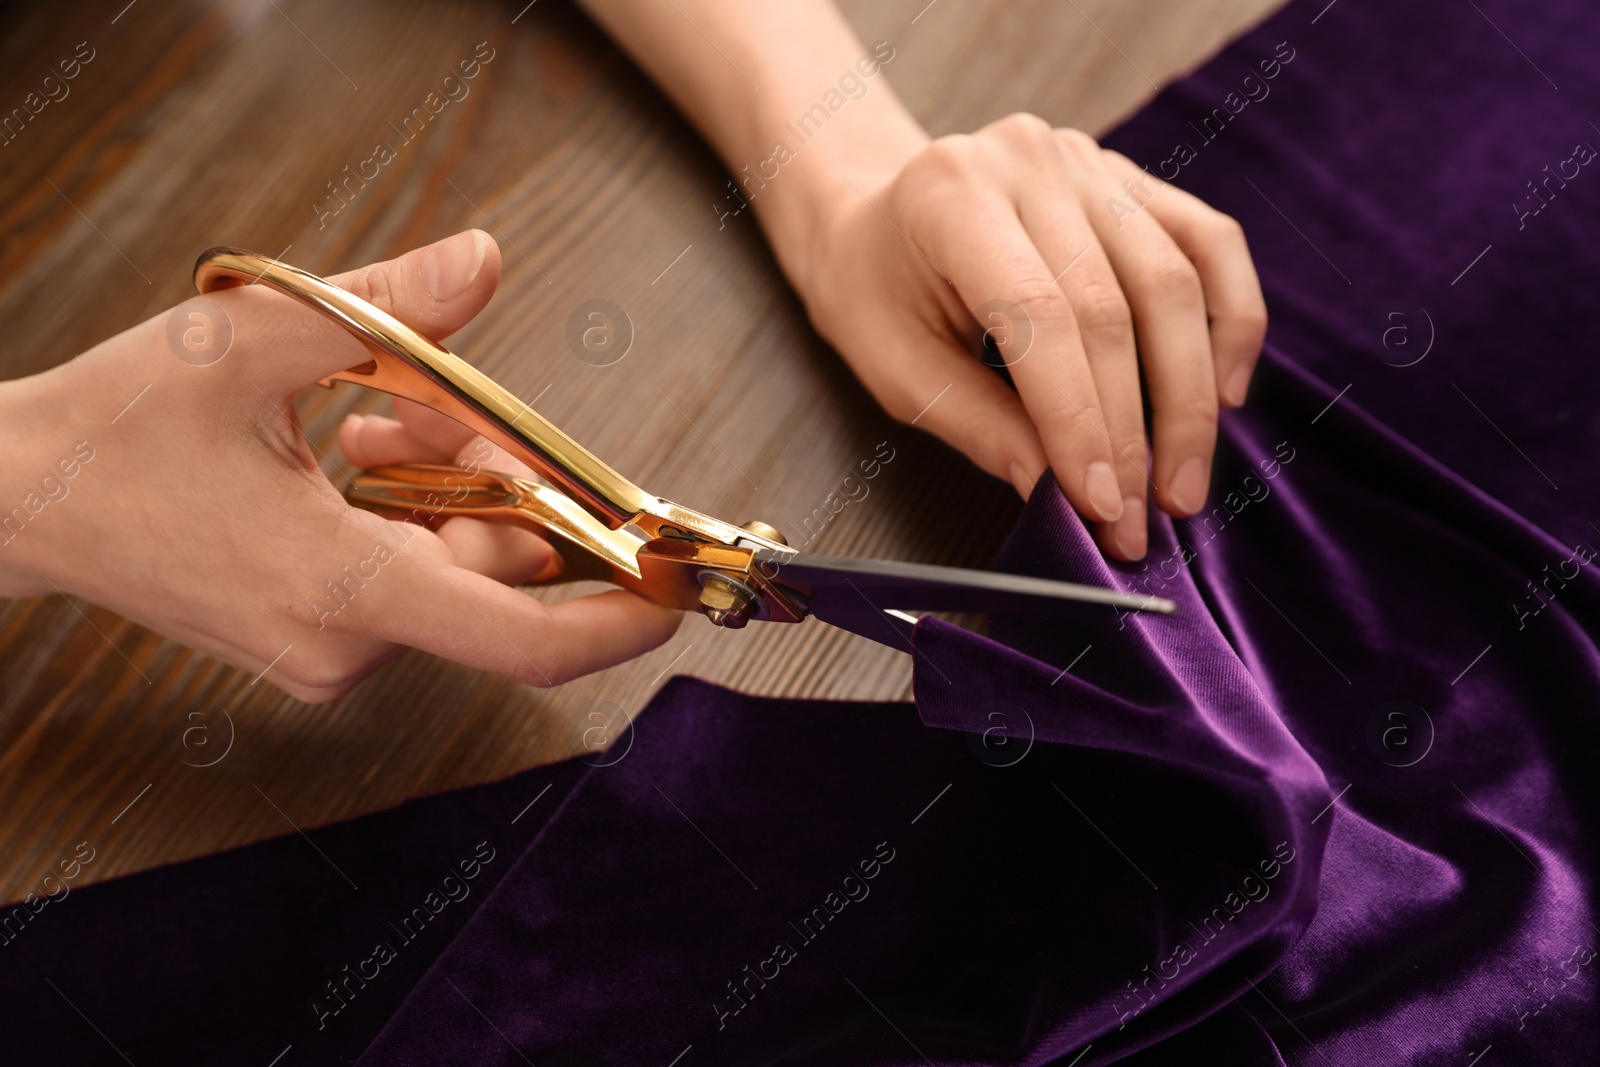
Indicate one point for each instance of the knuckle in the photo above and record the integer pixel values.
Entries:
(1224, 229)
(1195, 410)
(1078, 141)
(1025, 128)
(979, 435)
(1102, 310)
(1079, 429)
(372, 285)
(1172, 275)
(323, 676)
(359, 283)
(1131, 449)
(898, 403)
(1122, 162)
(1038, 297)
(1072, 417)
(1251, 322)
(950, 157)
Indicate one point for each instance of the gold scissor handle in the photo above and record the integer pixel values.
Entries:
(670, 571)
(684, 559)
(410, 365)
(423, 494)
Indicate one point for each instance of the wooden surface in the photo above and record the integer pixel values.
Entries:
(198, 124)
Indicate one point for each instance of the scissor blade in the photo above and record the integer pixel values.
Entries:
(870, 596)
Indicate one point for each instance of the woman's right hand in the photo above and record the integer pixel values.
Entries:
(187, 498)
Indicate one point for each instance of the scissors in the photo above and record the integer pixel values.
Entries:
(603, 525)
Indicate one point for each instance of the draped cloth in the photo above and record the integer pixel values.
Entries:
(1338, 810)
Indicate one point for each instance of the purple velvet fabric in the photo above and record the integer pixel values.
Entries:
(1338, 810)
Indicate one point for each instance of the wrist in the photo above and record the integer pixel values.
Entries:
(815, 169)
(44, 458)
(20, 400)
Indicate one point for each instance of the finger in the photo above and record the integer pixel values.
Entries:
(1169, 313)
(465, 447)
(374, 441)
(435, 290)
(438, 430)
(507, 554)
(1215, 244)
(932, 383)
(1057, 226)
(991, 257)
(472, 619)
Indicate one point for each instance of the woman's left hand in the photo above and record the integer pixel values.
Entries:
(1085, 271)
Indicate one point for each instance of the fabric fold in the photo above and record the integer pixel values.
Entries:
(1340, 809)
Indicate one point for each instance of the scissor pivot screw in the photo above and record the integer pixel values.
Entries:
(726, 603)
(761, 529)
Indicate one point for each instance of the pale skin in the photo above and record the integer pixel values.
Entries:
(893, 241)
(203, 513)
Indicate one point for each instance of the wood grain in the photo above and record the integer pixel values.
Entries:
(221, 123)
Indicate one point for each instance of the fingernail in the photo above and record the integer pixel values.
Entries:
(1131, 532)
(1100, 486)
(1238, 384)
(451, 267)
(1022, 480)
(352, 419)
(1189, 485)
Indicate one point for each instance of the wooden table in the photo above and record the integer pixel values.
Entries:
(197, 124)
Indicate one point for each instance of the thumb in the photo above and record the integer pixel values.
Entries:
(935, 385)
(435, 290)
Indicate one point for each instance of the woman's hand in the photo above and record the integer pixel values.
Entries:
(1083, 270)
(194, 504)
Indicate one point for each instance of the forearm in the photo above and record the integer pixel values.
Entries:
(797, 107)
